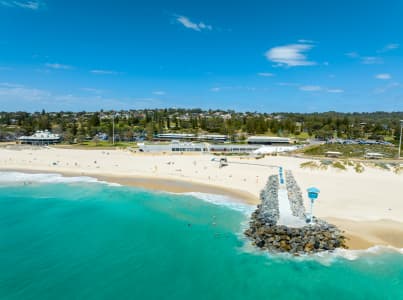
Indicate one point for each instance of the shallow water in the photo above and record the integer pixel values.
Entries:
(79, 239)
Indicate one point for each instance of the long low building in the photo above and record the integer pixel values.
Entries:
(213, 137)
(233, 148)
(268, 140)
(190, 137)
(177, 146)
(174, 136)
(40, 138)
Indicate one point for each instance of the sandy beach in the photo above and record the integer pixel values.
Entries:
(367, 206)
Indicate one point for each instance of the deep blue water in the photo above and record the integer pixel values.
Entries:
(72, 240)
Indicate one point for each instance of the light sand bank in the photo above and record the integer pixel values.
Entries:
(364, 234)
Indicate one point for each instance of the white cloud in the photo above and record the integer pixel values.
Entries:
(336, 91)
(159, 93)
(290, 55)
(57, 66)
(20, 92)
(25, 98)
(383, 76)
(302, 41)
(310, 88)
(288, 84)
(389, 47)
(265, 74)
(236, 87)
(388, 87)
(352, 54)
(366, 60)
(92, 90)
(32, 5)
(371, 60)
(104, 72)
(185, 21)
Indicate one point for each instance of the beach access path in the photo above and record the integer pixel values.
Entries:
(286, 217)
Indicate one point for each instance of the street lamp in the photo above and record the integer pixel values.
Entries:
(400, 141)
(113, 129)
(313, 194)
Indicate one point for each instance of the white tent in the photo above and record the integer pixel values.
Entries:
(274, 149)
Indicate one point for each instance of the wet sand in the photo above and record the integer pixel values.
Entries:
(365, 234)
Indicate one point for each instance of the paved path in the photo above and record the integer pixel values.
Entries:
(286, 217)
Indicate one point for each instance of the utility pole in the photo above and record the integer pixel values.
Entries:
(113, 129)
(400, 142)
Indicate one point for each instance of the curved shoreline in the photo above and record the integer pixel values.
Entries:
(361, 234)
(163, 184)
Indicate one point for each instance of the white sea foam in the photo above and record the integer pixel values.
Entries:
(222, 200)
(19, 177)
(325, 258)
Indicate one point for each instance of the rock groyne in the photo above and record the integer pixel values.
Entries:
(268, 235)
(268, 212)
(295, 196)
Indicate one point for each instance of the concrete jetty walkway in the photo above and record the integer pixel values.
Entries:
(286, 217)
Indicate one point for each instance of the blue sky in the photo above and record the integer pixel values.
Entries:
(300, 56)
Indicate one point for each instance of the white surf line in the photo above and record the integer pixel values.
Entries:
(286, 217)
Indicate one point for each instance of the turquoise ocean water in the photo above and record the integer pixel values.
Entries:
(74, 238)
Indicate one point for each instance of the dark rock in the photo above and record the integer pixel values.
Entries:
(265, 234)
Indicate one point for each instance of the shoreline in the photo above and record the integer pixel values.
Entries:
(360, 234)
(161, 184)
(357, 210)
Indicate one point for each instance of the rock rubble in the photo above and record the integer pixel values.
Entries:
(295, 196)
(266, 234)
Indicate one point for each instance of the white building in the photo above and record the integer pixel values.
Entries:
(333, 154)
(233, 148)
(174, 136)
(268, 140)
(175, 146)
(190, 136)
(213, 137)
(40, 138)
(374, 155)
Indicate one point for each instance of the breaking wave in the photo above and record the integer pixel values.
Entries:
(19, 177)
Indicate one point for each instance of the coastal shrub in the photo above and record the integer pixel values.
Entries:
(339, 165)
(398, 169)
(359, 168)
(323, 167)
(324, 164)
(349, 151)
(309, 165)
(349, 163)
